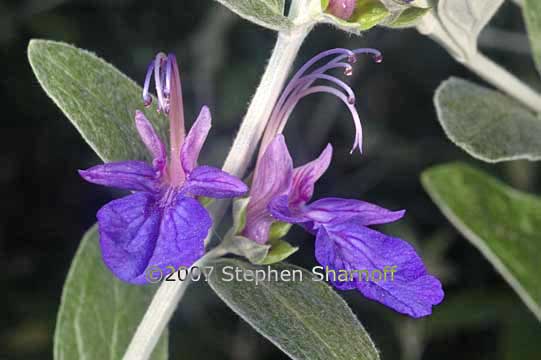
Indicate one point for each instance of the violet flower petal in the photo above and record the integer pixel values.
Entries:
(271, 178)
(351, 246)
(181, 242)
(212, 182)
(151, 140)
(129, 228)
(280, 210)
(329, 210)
(305, 177)
(130, 175)
(195, 139)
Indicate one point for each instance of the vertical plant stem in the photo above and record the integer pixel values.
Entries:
(161, 309)
(504, 80)
(169, 294)
(263, 102)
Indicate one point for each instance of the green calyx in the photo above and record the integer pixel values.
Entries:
(275, 250)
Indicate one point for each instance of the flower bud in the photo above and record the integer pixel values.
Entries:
(342, 9)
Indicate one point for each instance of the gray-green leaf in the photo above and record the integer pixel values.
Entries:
(98, 313)
(503, 223)
(532, 15)
(98, 99)
(488, 125)
(464, 19)
(305, 319)
(456, 24)
(266, 13)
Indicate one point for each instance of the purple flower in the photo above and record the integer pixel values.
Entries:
(344, 241)
(161, 223)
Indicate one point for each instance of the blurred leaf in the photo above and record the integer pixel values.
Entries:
(532, 15)
(98, 99)
(408, 17)
(456, 24)
(503, 223)
(520, 338)
(464, 19)
(266, 13)
(473, 309)
(487, 124)
(98, 313)
(305, 319)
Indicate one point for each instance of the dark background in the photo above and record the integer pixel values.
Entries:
(46, 207)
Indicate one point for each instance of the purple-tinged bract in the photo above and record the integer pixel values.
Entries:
(161, 223)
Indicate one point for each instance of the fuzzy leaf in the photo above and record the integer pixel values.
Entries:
(98, 99)
(305, 319)
(464, 19)
(503, 223)
(456, 24)
(266, 13)
(488, 125)
(98, 313)
(532, 15)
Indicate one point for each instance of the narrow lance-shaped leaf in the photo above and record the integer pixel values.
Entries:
(488, 125)
(532, 15)
(305, 318)
(98, 99)
(98, 313)
(503, 223)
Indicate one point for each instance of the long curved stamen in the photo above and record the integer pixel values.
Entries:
(284, 112)
(147, 99)
(158, 79)
(293, 82)
(341, 96)
(168, 70)
(301, 85)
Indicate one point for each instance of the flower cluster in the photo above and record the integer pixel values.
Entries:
(161, 223)
(344, 241)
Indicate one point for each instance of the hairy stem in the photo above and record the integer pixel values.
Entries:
(244, 147)
(480, 64)
(504, 80)
(160, 311)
